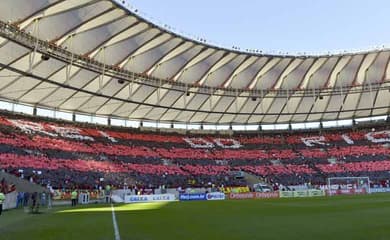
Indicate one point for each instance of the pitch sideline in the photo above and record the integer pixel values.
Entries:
(114, 222)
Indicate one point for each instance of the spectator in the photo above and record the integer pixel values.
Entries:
(2, 199)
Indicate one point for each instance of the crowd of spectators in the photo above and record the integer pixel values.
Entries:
(6, 187)
(89, 157)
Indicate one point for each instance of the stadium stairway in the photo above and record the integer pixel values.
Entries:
(253, 179)
(22, 185)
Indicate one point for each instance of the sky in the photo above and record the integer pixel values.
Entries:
(308, 26)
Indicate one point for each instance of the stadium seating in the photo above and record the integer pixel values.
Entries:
(86, 154)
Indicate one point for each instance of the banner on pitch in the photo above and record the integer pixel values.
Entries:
(302, 193)
(347, 191)
(192, 197)
(254, 195)
(202, 196)
(150, 198)
(215, 196)
(380, 190)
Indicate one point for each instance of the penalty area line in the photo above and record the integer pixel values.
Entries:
(116, 229)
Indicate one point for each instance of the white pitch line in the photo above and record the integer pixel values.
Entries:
(116, 229)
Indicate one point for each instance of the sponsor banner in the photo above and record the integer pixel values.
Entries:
(215, 196)
(249, 195)
(302, 193)
(192, 197)
(66, 195)
(267, 195)
(347, 191)
(117, 199)
(380, 190)
(150, 198)
(286, 194)
(316, 193)
(228, 190)
(253, 195)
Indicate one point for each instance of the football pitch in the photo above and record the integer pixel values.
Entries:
(347, 217)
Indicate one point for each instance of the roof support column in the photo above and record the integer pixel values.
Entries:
(341, 98)
(262, 98)
(287, 97)
(370, 87)
(211, 98)
(131, 87)
(236, 101)
(159, 92)
(69, 66)
(101, 77)
(33, 53)
(186, 95)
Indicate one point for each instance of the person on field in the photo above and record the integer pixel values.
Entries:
(43, 199)
(26, 197)
(108, 193)
(2, 199)
(19, 200)
(35, 202)
(74, 197)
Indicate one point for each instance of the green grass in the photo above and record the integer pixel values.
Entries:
(347, 217)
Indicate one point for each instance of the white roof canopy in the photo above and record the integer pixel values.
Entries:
(106, 60)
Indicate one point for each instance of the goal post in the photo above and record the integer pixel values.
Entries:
(348, 185)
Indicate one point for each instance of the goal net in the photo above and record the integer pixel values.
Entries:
(348, 185)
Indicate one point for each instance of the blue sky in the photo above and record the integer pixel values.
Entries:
(288, 26)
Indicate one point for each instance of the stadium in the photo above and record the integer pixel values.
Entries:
(115, 127)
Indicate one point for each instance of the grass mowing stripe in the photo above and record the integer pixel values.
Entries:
(338, 218)
(116, 230)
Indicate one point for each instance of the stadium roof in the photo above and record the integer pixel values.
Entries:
(97, 57)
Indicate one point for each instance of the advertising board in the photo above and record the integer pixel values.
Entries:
(150, 198)
(380, 190)
(347, 191)
(253, 195)
(215, 196)
(286, 194)
(192, 197)
(302, 193)
(316, 193)
(202, 196)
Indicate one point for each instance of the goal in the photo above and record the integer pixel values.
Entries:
(348, 185)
